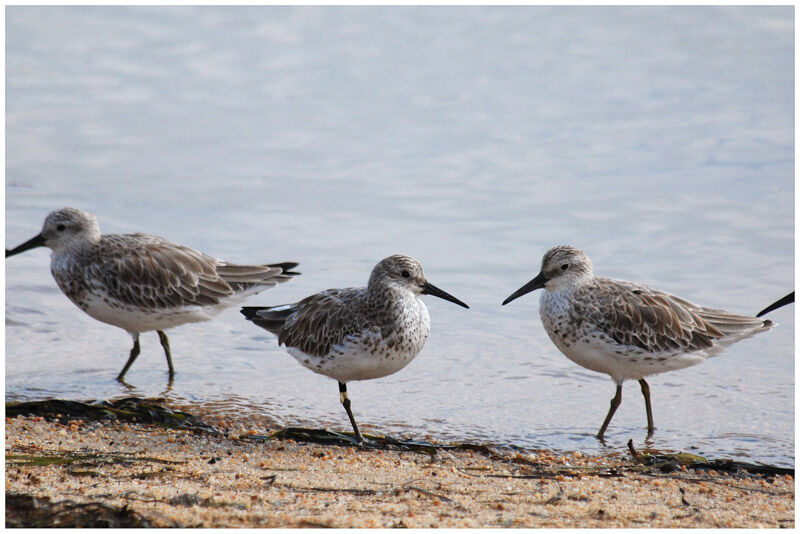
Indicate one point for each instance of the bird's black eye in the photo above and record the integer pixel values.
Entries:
(405, 274)
(565, 267)
(61, 227)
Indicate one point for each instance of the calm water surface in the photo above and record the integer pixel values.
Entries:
(658, 140)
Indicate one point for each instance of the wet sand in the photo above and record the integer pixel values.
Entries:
(119, 474)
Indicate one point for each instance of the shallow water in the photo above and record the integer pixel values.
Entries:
(658, 140)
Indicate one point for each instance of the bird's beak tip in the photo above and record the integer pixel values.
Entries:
(35, 241)
(537, 283)
(430, 289)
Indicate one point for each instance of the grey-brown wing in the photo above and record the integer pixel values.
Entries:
(323, 320)
(244, 277)
(150, 272)
(656, 321)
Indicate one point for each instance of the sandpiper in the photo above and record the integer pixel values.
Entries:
(141, 282)
(624, 329)
(357, 333)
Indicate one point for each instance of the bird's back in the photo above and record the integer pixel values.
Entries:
(345, 334)
(640, 316)
(629, 331)
(317, 322)
(152, 273)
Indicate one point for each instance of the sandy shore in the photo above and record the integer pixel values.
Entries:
(118, 474)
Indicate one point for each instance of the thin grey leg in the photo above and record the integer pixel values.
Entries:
(131, 358)
(615, 402)
(165, 343)
(646, 393)
(346, 403)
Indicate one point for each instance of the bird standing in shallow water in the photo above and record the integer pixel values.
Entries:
(623, 329)
(357, 333)
(141, 282)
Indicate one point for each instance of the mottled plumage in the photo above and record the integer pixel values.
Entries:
(624, 329)
(357, 333)
(141, 282)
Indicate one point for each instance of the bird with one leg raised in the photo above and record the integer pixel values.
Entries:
(357, 333)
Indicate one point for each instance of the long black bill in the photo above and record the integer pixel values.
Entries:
(37, 241)
(536, 283)
(788, 299)
(430, 289)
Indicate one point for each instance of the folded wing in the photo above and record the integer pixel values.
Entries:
(150, 272)
(315, 324)
(656, 321)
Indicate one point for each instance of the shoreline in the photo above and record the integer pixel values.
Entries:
(86, 472)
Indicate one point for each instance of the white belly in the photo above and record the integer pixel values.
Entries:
(373, 354)
(134, 319)
(590, 347)
(624, 362)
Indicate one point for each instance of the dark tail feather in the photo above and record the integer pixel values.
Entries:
(788, 299)
(268, 317)
(246, 277)
(251, 312)
(287, 267)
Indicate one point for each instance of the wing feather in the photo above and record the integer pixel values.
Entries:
(315, 324)
(656, 321)
(151, 272)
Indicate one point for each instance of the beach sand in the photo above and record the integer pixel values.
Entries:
(110, 473)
